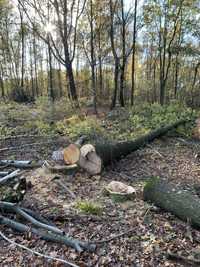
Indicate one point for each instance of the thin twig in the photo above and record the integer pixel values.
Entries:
(66, 188)
(113, 237)
(35, 252)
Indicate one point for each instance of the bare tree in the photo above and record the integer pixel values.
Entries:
(66, 15)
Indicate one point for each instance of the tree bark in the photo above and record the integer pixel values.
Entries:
(92, 53)
(133, 55)
(116, 79)
(110, 152)
(183, 204)
(2, 86)
(22, 47)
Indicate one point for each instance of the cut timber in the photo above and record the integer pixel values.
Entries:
(89, 160)
(71, 154)
(183, 204)
(114, 151)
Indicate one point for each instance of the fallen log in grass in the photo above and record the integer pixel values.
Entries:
(182, 203)
(110, 152)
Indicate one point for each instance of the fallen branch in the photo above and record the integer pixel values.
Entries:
(10, 176)
(74, 243)
(37, 216)
(2, 174)
(37, 253)
(20, 164)
(130, 231)
(14, 208)
(65, 188)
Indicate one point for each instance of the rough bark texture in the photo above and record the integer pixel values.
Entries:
(114, 151)
(183, 204)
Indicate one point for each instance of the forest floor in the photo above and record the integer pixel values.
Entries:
(153, 231)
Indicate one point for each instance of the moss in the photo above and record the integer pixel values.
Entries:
(89, 207)
(151, 183)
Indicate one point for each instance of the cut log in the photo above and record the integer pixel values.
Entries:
(89, 160)
(182, 203)
(71, 154)
(110, 152)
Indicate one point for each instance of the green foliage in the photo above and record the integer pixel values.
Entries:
(75, 127)
(144, 118)
(89, 207)
(5, 131)
(39, 127)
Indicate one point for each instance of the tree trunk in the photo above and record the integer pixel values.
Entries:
(22, 48)
(2, 85)
(133, 56)
(122, 78)
(162, 92)
(60, 80)
(50, 90)
(183, 204)
(116, 78)
(31, 72)
(72, 86)
(123, 65)
(100, 66)
(93, 63)
(35, 65)
(114, 151)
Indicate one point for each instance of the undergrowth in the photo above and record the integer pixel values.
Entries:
(89, 207)
(119, 124)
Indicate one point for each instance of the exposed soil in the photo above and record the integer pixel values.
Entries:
(153, 231)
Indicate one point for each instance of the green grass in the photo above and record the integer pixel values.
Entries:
(120, 124)
(89, 207)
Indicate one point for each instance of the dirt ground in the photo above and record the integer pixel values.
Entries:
(153, 232)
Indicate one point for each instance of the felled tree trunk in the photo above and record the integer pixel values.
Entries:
(114, 151)
(183, 204)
